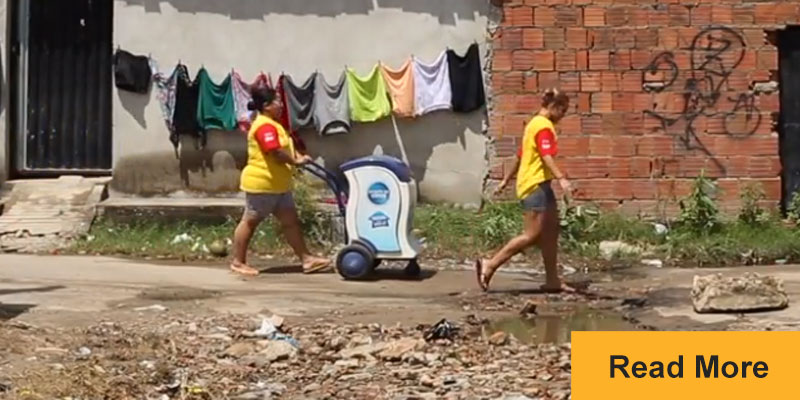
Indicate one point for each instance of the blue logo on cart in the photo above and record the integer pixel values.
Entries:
(378, 193)
(379, 220)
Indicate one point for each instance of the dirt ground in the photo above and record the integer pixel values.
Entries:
(93, 327)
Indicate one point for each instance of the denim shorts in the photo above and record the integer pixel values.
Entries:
(262, 205)
(541, 199)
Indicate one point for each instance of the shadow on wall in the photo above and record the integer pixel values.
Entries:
(213, 169)
(135, 104)
(447, 11)
(456, 176)
(419, 137)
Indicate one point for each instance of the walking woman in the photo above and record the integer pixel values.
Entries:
(535, 169)
(267, 183)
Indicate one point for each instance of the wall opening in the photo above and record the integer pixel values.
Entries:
(61, 87)
(789, 128)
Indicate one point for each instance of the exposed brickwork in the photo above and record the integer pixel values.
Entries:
(660, 90)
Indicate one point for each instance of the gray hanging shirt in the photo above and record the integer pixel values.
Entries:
(300, 101)
(332, 108)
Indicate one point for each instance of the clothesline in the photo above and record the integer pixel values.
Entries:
(451, 82)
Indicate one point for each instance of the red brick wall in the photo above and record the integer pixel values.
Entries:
(661, 90)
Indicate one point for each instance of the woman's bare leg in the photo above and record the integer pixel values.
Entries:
(532, 228)
(241, 241)
(548, 243)
(292, 232)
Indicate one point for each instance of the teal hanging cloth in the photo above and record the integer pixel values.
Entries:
(215, 107)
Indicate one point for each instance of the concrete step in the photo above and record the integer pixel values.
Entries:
(205, 210)
(198, 209)
(40, 214)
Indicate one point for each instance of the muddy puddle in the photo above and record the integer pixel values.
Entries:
(558, 327)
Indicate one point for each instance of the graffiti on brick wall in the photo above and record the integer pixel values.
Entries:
(715, 53)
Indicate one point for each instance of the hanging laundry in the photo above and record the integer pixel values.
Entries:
(284, 119)
(167, 90)
(299, 144)
(331, 106)
(300, 102)
(466, 80)
(132, 73)
(432, 90)
(184, 119)
(215, 109)
(400, 85)
(368, 98)
(241, 96)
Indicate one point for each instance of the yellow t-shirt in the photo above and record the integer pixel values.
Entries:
(532, 170)
(264, 172)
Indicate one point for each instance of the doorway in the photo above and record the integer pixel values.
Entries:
(61, 85)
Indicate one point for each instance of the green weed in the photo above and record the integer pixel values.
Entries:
(751, 212)
(793, 209)
(699, 211)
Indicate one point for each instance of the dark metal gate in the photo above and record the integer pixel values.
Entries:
(64, 55)
(789, 47)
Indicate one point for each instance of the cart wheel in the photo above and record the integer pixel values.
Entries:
(413, 269)
(355, 262)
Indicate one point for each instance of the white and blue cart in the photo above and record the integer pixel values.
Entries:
(377, 202)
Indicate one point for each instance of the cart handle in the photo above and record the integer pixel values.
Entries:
(331, 180)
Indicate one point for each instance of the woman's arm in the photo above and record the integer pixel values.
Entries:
(297, 159)
(269, 142)
(510, 174)
(547, 146)
(550, 162)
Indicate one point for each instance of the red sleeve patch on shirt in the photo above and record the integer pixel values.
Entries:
(267, 138)
(546, 142)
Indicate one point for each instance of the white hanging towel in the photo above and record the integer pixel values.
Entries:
(432, 90)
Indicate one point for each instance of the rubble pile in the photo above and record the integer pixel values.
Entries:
(240, 357)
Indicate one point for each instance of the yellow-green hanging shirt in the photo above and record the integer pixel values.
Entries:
(368, 98)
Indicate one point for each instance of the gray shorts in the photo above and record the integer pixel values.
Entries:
(543, 198)
(262, 205)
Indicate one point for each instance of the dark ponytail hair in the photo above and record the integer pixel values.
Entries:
(261, 97)
(554, 97)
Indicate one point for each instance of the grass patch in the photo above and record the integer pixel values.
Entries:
(183, 240)
(455, 232)
(190, 240)
(733, 243)
(699, 237)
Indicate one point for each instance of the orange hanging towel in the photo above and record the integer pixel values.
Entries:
(400, 85)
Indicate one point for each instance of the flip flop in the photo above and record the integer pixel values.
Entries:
(239, 269)
(320, 266)
(480, 276)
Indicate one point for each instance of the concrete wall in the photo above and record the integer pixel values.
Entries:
(5, 25)
(446, 150)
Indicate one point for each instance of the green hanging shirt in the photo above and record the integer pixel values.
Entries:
(368, 98)
(215, 107)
